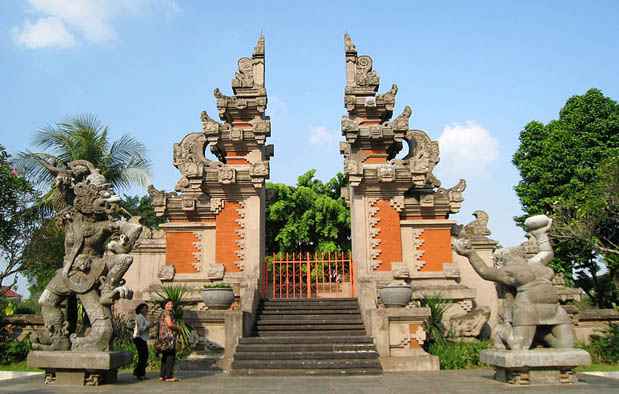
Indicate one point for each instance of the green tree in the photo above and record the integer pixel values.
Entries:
(560, 168)
(43, 255)
(308, 217)
(122, 162)
(19, 217)
(142, 206)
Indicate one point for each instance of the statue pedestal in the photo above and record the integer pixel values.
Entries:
(539, 366)
(79, 368)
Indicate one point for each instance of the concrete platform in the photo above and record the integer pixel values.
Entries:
(537, 366)
(475, 381)
(79, 368)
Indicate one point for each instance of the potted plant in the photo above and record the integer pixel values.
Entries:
(218, 295)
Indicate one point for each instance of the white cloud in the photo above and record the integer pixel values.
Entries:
(467, 150)
(45, 32)
(320, 135)
(90, 20)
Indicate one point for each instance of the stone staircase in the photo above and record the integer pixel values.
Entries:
(308, 337)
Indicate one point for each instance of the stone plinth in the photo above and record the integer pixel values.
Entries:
(539, 366)
(79, 368)
(399, 335)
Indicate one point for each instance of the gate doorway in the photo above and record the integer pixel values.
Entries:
(307, 275)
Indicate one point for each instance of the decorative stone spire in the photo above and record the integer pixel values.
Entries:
(373, 140)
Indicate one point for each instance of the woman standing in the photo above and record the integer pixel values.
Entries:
(166, 343)
(140, 339)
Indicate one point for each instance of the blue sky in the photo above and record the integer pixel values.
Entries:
(474, 73)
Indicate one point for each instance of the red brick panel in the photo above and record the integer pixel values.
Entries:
(226, 233)
(389, 235)
(180, 249)
(436, 248)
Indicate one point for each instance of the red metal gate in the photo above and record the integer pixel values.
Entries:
(305, 275)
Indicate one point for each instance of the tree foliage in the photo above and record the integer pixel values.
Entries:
(123, 162)
(308, 217)
(19, 217)
(567, 167)
(43, 255)
(142, 206)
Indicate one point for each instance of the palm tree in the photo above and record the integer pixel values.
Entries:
(122, 162)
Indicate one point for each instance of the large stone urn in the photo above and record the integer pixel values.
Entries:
(396, 294)
(218, 297)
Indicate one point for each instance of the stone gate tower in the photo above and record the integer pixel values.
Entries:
(215, 227)
(399, 211)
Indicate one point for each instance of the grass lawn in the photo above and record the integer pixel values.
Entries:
(19, 366)
(599, 368)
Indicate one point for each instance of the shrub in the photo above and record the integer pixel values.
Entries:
(604, 348)
(435, 328)
(14, 351)
(218, 285)
(458, 355)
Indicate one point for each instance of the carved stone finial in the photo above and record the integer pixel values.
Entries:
(259, 48)
(350, 46)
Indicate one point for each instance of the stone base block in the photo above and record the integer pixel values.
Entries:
(79, 368)
(539, 366)
(421, 362)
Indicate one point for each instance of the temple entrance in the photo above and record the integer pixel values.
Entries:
(307, 275)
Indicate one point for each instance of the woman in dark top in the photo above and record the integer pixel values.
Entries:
(167, 341)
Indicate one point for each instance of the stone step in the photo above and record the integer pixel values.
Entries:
(321, 340)
(314, 300)
(306, 372)
(304, 347)
(311, 364)
(319, 333)
(313, 312)
(300, 321)
(329, 355)
(346, 304)
(287, 307)
(309, 327)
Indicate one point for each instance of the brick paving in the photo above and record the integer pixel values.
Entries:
(477, 381)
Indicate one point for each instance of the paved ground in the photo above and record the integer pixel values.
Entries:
(471, 381)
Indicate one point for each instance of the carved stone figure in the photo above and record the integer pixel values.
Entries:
(97, 246)
(532, 303)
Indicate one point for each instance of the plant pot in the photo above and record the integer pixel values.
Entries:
(218, 298)
(396, 294)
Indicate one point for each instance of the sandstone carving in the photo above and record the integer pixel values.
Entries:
(532, 302)
(97, 245)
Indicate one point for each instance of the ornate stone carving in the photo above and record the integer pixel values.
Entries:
(373, 220)
(197, 247)
(531, 299)
(419, 335)
(215, 271)
(97, 247)
(217, 204)
(470, 324)
(417, 251)
(402, 121)
(386, 173)
(189, 155)
(241, 252)
(478, 227)
(397, 203)
(166, 273)
(158, 200)
(226, 175)
(244, 77)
